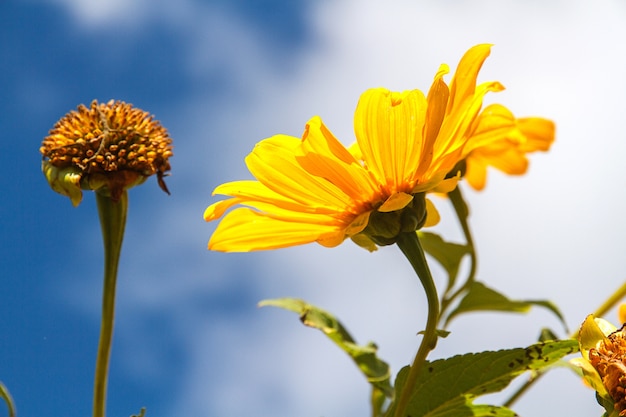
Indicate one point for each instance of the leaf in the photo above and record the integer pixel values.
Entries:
(4, 394)
(482, 298)
(439, 332)
(447, 387)
(547, 334)
(448, 254)
(375, 370)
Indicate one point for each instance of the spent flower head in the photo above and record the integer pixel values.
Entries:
(603, 362)
(108, 147)
(313, 189)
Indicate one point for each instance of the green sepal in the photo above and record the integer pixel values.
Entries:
(479, 297)
(608, 405)
(4, 394)
(375, 370)
(65, 181)
(447, 387)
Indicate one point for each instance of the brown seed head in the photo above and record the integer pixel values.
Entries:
(112, 144)
(609, 359)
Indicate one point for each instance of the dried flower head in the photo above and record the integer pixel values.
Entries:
(609, 359)
(108, 147)
(603, 363)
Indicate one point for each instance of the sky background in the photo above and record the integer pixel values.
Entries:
(223, 75)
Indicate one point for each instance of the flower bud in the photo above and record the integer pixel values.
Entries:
(383, 228)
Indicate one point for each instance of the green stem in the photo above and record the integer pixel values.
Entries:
(610, 302)
(410, 245)
(112, 220)
(462, 212)
(4, 394)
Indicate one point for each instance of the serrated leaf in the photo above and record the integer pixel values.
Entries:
(4, 394)
(448, 254)
(447, 387)
(463, 407)
(482, 298)
(375, 370)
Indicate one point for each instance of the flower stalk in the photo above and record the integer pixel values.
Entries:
(410, 245)
(462, 212)
(113, 221)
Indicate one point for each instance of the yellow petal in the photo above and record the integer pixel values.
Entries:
(593, 331)
(476, 171)
(436, 110)
(358, 224)
(447, 185)
(539, 133)
(396, 201)
(494, 123)
(503, 155)
(217, 210)
(323, 156)
(432, 215)
(273, 163)
(253, 193)
(463, 83)
(388, 127)
(590, 375)
(244, 230)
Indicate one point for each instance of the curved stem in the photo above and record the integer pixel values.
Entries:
(610, 302)
(461, 210)
(409, 244)
(112, 221)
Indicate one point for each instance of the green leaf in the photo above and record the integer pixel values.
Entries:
(4, 394)
(448, 254)
(482, 298)
(375, 370)
(547, 334)
(447, 387)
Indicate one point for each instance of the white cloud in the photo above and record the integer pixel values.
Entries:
(539, 236)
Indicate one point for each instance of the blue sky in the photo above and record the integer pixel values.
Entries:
(222, 75)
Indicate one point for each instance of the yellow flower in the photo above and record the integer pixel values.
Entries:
(315, 190)
(108, 147)
(500, 140)
(603, 362)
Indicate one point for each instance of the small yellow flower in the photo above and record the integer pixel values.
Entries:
(603, 362)
(500, 140)
(315, 190)
(106, 147)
